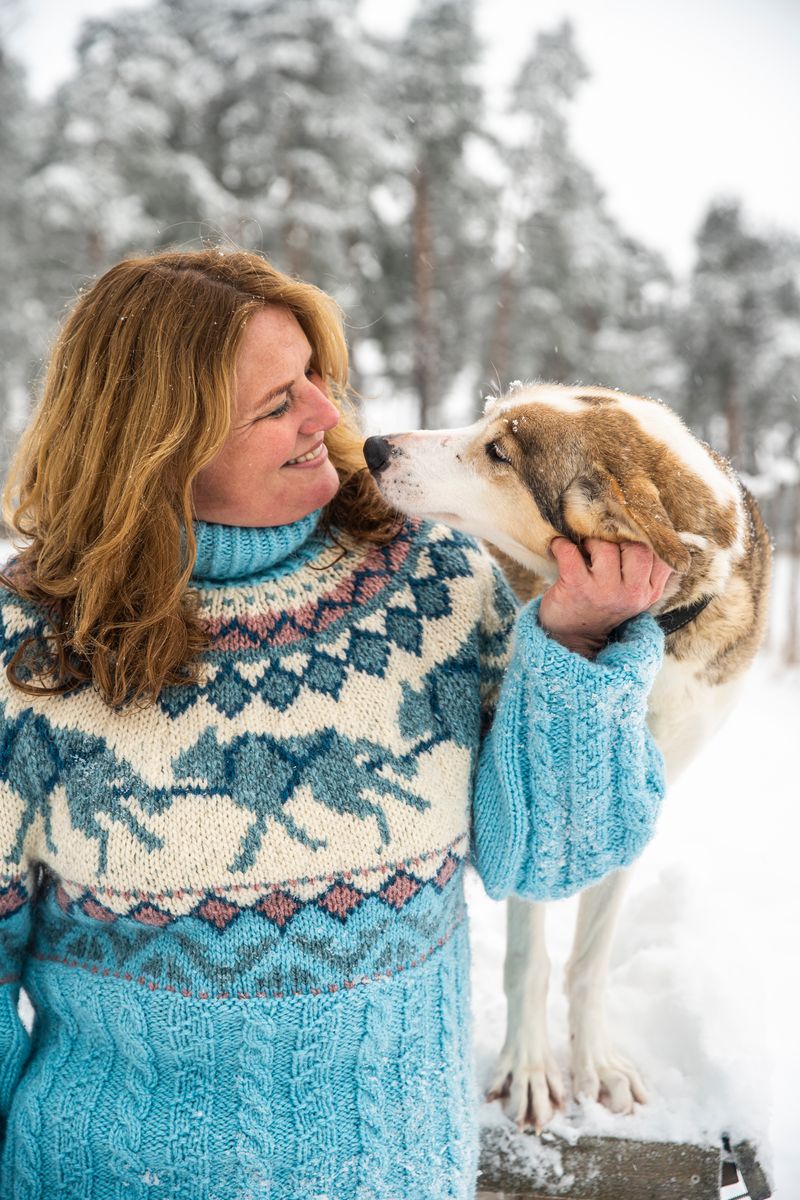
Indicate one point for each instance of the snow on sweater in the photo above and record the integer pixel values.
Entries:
(239, 914)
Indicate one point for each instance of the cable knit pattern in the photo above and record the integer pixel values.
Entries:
(55, 1103)
(570, 736)
(88, 1033)
(255, 1144)
(192, 1042)
(239, 913)
(132, 1108)
(311, 1100)
(416, 1144)
(27, 1167)
(373, 1069)
(461, 1145)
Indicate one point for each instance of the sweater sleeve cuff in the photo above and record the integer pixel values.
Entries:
(635, 654)
(570, 781)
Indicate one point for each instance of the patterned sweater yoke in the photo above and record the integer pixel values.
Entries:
(239, 913)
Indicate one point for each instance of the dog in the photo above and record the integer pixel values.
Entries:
(548, 460)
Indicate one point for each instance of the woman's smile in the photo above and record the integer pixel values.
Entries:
(313, 458)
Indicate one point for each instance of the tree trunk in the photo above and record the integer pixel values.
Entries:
(94, 249)
(424, 374)
(296, 236)
(733, 417)
(297, 250)
(499, 351)
(772, 511)
(793, 614)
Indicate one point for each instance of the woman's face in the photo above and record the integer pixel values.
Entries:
(281, 412)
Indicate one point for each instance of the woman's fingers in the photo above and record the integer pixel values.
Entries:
(589, 600)
(644, 571)
(629, 567)
(603, 567)
(606, 561)
(637, 564)
(571, 567)
(659, 576)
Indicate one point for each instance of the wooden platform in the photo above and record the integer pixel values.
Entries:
(516, 1166)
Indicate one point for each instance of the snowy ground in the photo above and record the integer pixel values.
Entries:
(706, 967)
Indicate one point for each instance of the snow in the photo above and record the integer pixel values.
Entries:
(705, 972)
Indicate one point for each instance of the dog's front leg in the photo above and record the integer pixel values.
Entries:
(526, 1077)
(598, 1072)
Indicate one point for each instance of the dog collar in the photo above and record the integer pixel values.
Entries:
(676, 618)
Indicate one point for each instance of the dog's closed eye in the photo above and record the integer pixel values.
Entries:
(494, 452)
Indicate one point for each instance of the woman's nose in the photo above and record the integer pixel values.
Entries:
(321, 412)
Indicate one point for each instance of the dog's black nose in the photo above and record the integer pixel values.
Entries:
(377, 452)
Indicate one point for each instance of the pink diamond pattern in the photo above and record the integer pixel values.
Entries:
(11, 900)
(445, 871)
(399, 890)
(217, 912)
(340, 900)
(98, 911)
(278, 907)
(148, 914)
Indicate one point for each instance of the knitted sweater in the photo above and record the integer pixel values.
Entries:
(239, 913)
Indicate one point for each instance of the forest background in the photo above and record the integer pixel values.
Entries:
(468, 245)
(438, 180)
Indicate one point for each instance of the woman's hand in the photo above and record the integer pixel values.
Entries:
(587, 601)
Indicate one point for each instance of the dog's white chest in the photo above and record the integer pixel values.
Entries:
(684, 711)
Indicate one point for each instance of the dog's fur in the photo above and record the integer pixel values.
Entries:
(548, 460)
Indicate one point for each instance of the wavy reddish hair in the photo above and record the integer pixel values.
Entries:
(137, 399)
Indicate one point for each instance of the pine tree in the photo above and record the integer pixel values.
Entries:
(739, 339)
(21, 319)
(575, 297)
(435, 253)
(221, 120)
(740, 332)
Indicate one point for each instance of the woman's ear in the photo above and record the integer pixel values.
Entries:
(595, 505)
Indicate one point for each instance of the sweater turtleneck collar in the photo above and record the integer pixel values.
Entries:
(239, 553)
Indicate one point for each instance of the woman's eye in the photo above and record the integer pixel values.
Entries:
(278, 412)
(495, 453)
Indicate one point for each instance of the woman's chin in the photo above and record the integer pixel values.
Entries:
(314, 497)
(262, 511)
(324, 488)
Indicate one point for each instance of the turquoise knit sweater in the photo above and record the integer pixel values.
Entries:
(239, 914)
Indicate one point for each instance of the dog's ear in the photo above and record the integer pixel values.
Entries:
(596, 505)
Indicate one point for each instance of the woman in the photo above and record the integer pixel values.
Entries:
(243, 765)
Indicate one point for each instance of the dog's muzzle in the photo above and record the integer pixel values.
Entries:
(377, 452)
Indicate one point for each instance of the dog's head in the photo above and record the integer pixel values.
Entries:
(548, 460)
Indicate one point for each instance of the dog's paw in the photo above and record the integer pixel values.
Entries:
(530, 1093)
(610, 1079)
